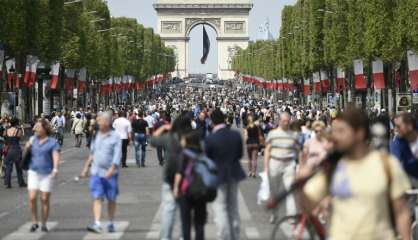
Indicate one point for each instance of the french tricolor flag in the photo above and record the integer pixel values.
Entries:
(290, 85)
(33, 68)
(378, 74)
(413, 69)
(82, 78)
(306, 87)
(26, 77)
(9, 65)
(55, 72)
(69, 80)
(340, 80)
(324, 81)
(317, 82)
(360, 81)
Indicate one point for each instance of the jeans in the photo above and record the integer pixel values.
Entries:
(169, 206)
(14, 156)
(160, 155)
(125, 143)
(78, 140)
(187, 206)
(226, 212)
(281, 177)
(238, 122)
(140, 148)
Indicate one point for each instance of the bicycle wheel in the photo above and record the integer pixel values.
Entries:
(291, 228)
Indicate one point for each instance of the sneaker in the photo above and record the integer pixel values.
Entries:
(94, 228)
(33, 228)
(111, 228)
(44, 229)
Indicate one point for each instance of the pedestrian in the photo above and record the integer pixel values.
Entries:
(251, 138)
(168, 136)
(78, 129)
(13, 153)
(190, 205)
(104, 161)
(225, 147)
(123, 127)
(314, 149)
(140, 131)
(405, 144)
(368, 208)
(43, 169)
(58, 124)
(280, 156)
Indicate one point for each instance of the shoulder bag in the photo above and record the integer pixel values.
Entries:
(27, 155)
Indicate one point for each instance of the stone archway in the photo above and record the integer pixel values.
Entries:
(229, 19)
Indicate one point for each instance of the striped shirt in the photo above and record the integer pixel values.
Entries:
(284, 144)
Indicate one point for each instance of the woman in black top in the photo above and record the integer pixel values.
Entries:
(252, 134)
(192, 146)
(14, 153)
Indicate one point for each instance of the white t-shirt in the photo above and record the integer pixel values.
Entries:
(414, 147)
(123, 127)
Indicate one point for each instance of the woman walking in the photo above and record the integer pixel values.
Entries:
(43, 168)
(13, 154)
(188, 204)
(252, 139)
(78, 129)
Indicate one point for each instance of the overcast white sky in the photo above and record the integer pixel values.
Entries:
(144, 12)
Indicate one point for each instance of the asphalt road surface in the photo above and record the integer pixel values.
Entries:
(138, 206)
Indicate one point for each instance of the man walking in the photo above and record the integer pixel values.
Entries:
(225, 147)
(140, 131)
(280, 160)
(104, 159)
(124, 128)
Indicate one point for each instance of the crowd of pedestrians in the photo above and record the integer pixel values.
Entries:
(187, 126)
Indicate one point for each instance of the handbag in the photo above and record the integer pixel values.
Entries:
(27, 155)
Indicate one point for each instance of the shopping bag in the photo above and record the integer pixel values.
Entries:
(264, 191)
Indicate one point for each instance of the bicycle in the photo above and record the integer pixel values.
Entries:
(59, 135)
(298, 227)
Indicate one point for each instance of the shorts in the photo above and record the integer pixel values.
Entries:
(36, 181)
(101, 187)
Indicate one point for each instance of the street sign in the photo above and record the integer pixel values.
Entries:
(415, 98)
(403, 102)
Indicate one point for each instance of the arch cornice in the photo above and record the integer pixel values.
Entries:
(215, 23)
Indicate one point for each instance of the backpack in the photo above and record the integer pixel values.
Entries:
(200, 177)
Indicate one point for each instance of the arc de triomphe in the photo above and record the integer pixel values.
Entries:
(229, 19)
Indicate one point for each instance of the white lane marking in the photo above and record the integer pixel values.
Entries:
(252, 233)
(23, 232)
(69, 150)
(243, 209)
(154, 231)
(120, 227)
(3, 214)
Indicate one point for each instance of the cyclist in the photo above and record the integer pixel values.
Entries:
(367, 207)
(58, 124)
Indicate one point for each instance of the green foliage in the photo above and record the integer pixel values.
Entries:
(325, 34)
(73, 34)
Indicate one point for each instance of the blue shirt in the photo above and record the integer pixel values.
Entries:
(41, 155)
(106, 150)
(400, 148)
